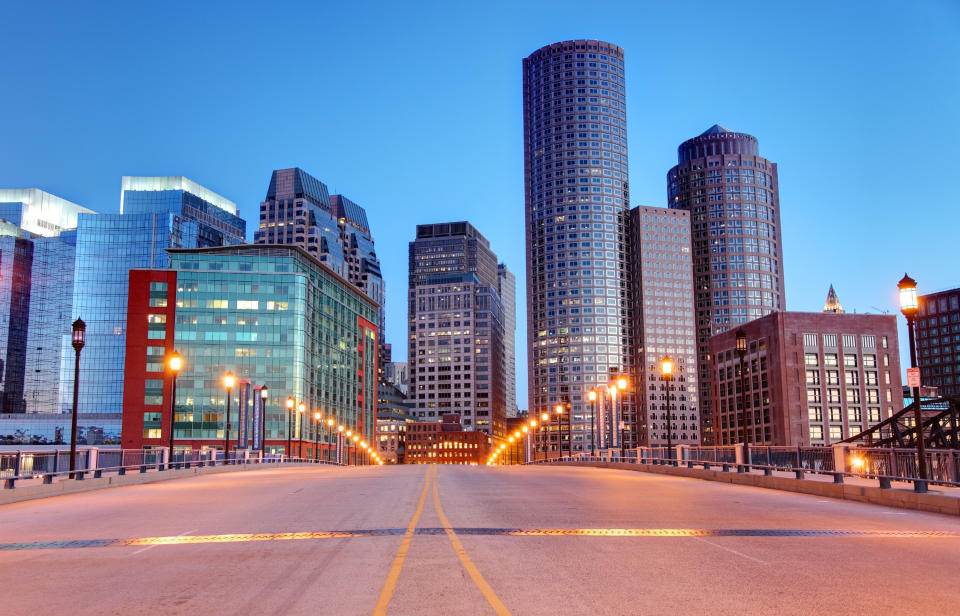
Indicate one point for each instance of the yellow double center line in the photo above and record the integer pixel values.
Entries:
(390, 585)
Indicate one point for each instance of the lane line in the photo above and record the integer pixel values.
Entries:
(732, 551)
(475, 575)
(186, 532)
(390, 585)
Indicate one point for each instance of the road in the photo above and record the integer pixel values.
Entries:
(466, 540)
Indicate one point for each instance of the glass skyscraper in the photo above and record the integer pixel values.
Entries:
(577, 195)
(156, 213)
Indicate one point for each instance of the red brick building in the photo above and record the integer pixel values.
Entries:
(445, 442)
(811, 378)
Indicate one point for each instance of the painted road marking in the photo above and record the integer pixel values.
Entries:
(471, 568)
(731, 550)
(510, 532)
(153, 545)
(386, 593)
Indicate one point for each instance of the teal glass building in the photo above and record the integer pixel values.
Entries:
(273, 316)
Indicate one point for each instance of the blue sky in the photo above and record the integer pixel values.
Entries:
(414, 111)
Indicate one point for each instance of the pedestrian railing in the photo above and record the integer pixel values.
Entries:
(54, 465)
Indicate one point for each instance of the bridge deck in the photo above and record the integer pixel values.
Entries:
(531, 540)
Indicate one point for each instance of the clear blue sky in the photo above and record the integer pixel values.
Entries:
(414, 111)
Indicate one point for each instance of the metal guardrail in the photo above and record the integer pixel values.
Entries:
(25, 465)
(799, 461)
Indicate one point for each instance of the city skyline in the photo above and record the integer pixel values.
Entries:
(822, 117)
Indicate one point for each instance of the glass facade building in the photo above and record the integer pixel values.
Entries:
(577, 195)
(156, 213)
(271, 315)
(733, 198)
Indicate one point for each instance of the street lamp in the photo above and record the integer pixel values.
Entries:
(174, 363)
(593, 423)
(544, 418)
(300, 409)
(290, 405)
(330, 423)
(909, 306)
(560, 409)
(356, 458)
(316, 436)
(228, 381)
(339, 441)
(79, 339)
(742, 352)
(666, 369)
(622, 386)
(264, 392)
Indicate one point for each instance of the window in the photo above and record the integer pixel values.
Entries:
(849, 341)
(868, 342)
(833, 395)
(813, 395)
(851, 377)
(873, 414)
(153, 391)
(810, 340)
(815, 413)
(853, 396)
(830, 359)
(833, 377)
(854, 415)
(850, 361)
(869, 361)
(811, 359)
(836, 433)
(816, 433)
(836, 413)
(813, 377)
(830, 340)
(246, 304)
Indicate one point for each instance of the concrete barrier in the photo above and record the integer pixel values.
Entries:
(68, 486)
(902, 498)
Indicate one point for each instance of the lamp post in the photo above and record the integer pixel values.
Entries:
(742, 353)
(300, 409)
(316, 436)
(612, 390)
(544, 418)
(593, 422)
(290, 405)
(622, 386)
(909, 306)
(560, 409)
(174, 363)
(339, 443)
(264, 392)
(79, 339)
(356, 440)
(330, 423)
(228, 381)
(666, 369)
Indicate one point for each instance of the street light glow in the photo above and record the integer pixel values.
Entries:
(621, 383)
(229, 380)
(592, 396)
(176, 362)
(666, 366)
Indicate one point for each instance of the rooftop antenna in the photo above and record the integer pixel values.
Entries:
(880, 310)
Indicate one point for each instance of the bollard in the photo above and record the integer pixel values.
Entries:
(97, 474)
(689, 463)
(726, 467)
(838, 478)
(767, 472)
(706, 466)
(9, 484)
(143, 468)
(798, 473)
(16, 464)
(122, 470)
(884, 483)
(78, 475)
(48, 479)
(920, 486)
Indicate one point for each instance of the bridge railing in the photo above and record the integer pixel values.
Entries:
(884, 465)
(48, 465)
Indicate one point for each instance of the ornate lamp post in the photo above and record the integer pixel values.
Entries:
(330, 423)
(544, 418)
(290, 405)
(264, 392)
(666, 369)
(622, 386)
(300, 410)
(909, 306)
(742, 353)
(174, 363)
(560, 409)
(228, 381)
(79, 339)
(316, 436)
(339, 443)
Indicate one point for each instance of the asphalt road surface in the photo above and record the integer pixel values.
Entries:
(470, 540)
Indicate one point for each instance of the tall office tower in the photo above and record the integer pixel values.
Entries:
(362, 265)
(299, 210)
(37, 250)
(577, 195)
(507, 288)
(732, 196)
(156, 213)
(455, 328)
(664, 325)
(938, 341)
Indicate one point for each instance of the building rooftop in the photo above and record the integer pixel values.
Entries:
(40, 213)
(175, 182)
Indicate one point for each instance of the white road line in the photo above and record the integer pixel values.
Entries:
(186, 532)
(732, 551)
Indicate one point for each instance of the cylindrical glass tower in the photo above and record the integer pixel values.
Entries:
(577, 199)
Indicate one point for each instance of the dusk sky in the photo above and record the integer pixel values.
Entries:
(413, 110)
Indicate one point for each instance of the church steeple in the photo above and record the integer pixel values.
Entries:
(833, 303)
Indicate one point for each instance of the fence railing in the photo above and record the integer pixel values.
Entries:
(49, 465)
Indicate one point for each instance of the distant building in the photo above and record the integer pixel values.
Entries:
(833, 302)
(664, 324)
(37, 253)
(156, 213)
(271, 315)
(732, 194)
(397, 373)
(391, 436)
(812, 378)
(938, 341)
(507, 289)
(445, 442)
(455, 320)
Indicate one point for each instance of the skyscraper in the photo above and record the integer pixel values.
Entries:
(664, 324)
(732, 196)
(156, 213)
(455, 328)
(299, 210)
(576, 200)
(507, 288)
